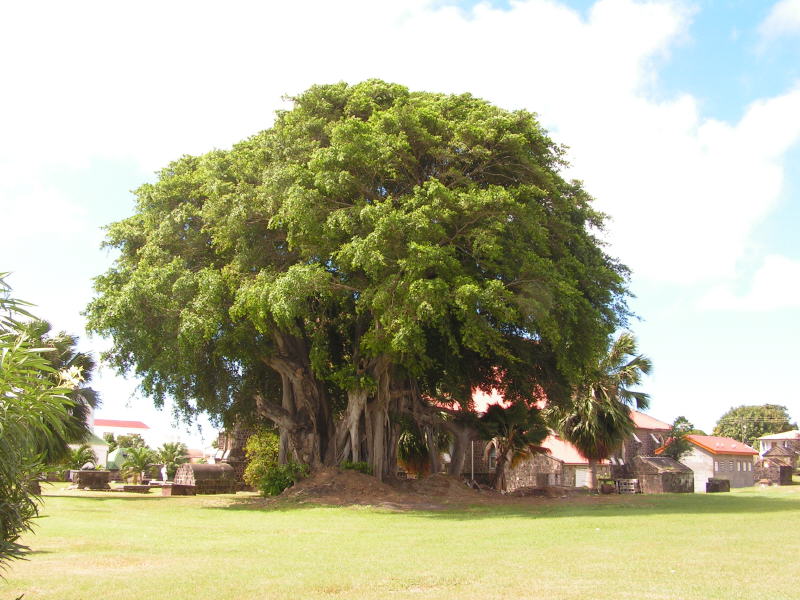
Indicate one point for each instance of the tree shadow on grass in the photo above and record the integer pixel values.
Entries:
(538, 508)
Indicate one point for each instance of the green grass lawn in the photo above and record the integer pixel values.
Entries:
(108, 546)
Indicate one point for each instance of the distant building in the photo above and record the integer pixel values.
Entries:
(788, 439)
(722, 458)
(102, 427)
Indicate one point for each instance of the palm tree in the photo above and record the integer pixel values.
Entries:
(517, 432)
(75, 369)
(137, 461)
(598, 419)
(80, 456)
(172, 454)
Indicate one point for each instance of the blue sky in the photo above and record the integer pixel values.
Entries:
(682, 118)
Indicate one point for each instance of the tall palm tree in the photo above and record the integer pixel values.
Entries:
(598, 419)
(68, 363)
(517, 432)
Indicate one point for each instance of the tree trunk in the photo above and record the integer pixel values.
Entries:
(499, 479)
(592, 474)
(348, 430)
(461, 440)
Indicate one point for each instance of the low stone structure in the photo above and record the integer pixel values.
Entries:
(207, 479)
(94, 480)
(715, 484)
(174, 489)
(662, 475)
(774, 471)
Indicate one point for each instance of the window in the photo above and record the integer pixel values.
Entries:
(738, 465)
(636, 438)
(716, 466)
(492, 457)
(730, 465)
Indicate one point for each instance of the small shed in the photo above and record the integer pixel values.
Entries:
(773, 469)
(207, 479)
(662, 475)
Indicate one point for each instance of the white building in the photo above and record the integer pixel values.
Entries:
(101, 427)
(787, 439)
(721, 458)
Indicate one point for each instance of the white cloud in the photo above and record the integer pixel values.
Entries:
(40, 210)
(783, 19)
(775, 286)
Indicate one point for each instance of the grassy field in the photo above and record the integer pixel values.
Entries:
(104, 547)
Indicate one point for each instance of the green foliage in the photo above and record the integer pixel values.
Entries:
(517, 431)
(261, 450)
(112, 442)
(748, 423)
(279, 477)
(75, 370)
(370, 225)
(598, 420)
(137, 461)
(678, 446)
(360, 466)
(133, 440)
(80, 456)
(172, 455)
(34, 410)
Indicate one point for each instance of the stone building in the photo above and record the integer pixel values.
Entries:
(565, 466)
(662, 475)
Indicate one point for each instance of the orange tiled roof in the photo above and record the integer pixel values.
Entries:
(720, 445)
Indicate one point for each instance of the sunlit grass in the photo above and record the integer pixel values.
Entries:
(108, 546)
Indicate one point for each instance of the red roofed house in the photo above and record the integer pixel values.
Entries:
(720, 457)
(564, 465)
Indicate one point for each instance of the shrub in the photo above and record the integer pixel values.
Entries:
(262, 454)
(361, 467)
(279, 477)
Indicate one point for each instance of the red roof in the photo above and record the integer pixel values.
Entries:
(720, 445)
(564, 451)
(643, 421)
(123, 424)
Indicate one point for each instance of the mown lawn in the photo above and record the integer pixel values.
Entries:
(740, 545)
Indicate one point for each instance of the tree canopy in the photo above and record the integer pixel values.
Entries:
(375, 249)
(748, 423)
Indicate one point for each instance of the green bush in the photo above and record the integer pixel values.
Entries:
(262, 454)
(361, 467)
(279, 477)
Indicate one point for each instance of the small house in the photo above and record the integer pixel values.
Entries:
(662, 475)
(789, 440)
(720, 458)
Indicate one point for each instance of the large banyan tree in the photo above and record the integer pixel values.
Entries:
(359, 268)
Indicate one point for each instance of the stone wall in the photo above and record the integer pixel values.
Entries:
(778, 474)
